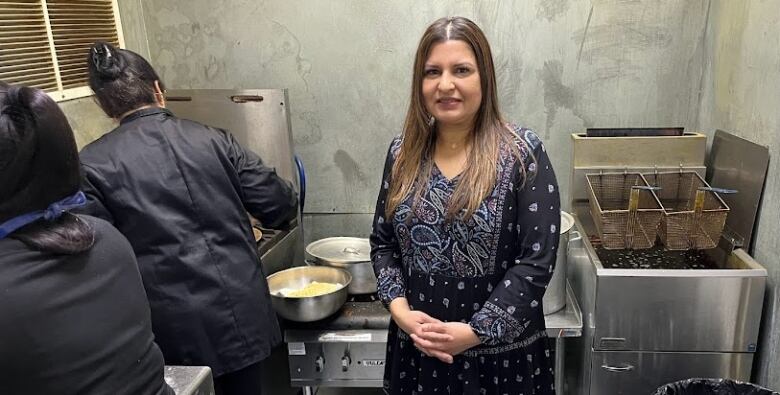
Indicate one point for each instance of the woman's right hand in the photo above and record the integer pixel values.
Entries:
(411, 322)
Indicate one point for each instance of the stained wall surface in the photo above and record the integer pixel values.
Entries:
(741, 95)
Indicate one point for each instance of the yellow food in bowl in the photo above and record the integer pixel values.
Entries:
(313, 289)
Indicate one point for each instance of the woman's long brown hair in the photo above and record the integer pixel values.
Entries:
(412, 168)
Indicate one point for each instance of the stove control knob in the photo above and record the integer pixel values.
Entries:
(319, 364)
(345, 361)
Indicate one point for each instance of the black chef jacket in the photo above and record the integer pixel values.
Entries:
(76, 324)
(179, 191)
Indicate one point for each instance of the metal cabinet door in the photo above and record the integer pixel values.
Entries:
(631, 373)
(720, 312)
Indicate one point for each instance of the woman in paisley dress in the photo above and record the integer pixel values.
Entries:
(465, 231)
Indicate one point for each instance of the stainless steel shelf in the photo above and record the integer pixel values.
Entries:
(566, 322)
(562, 324)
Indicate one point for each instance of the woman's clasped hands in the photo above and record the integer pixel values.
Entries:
(434, 338)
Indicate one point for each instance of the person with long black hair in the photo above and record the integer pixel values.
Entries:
(180, 192)
(74, 318)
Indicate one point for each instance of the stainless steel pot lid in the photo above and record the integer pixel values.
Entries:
(567, 221)
(341, 249)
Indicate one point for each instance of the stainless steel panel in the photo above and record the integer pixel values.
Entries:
(719, 314)
(336, 336)
(686, 150)
(672, 310)
(629, 305)
(258, 118)
(582, 278)
(644, 154)
(337, 364)
(286, 253)
(632, 373)
(736, 163)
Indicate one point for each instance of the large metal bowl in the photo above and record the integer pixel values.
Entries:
(310, 308)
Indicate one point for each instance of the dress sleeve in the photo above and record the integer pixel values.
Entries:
(92, 186)
(265, 195)
(385, 249)
(508, 315)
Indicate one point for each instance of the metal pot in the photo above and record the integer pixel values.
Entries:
(311, 308)
(555, 297)
(349, 253)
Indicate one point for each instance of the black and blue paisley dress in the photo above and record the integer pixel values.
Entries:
(490, 271)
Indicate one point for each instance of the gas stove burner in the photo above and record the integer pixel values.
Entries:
(656, 258)
(359, 312)
(367, 298)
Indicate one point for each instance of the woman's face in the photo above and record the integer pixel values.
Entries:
(451, 84)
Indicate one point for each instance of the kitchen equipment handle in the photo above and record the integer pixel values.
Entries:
(633, 206)
(301, 180)
(309, 262)
(246, 98)
(719, 190)
(178, 98)
(698, 207)
(647, 187)
(618, 369)
(350, 250)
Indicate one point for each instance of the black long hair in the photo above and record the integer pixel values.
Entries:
(39, 166)
(121, 79)
(68, 235)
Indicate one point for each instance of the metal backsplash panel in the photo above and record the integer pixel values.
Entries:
(642, 154)
(736, 163)
(258, 118)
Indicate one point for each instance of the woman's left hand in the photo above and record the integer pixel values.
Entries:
(461, 335)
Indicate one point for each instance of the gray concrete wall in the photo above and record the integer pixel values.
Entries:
(741, 95)
(87, 120)
(563, 65)
(85, 117)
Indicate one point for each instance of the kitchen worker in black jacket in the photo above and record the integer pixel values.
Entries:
(180, 192)
(74, 319)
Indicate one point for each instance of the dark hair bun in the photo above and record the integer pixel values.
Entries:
(104, 58)
(16, 106)
(15, 120)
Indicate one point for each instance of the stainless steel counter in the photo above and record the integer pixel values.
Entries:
(190, 380)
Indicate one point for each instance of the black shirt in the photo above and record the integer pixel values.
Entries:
(180, 192)
(76, 324)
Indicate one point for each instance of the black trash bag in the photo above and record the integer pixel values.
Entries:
(712, 387)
